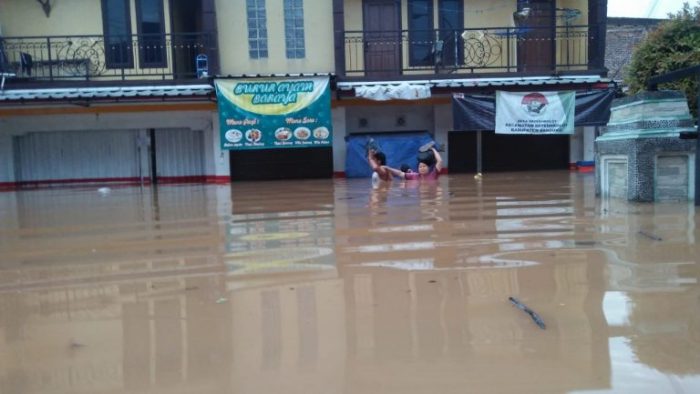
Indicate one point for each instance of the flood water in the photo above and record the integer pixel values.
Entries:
(332, 286)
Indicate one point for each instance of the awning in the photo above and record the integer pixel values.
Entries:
(106, 92)
(362, 88)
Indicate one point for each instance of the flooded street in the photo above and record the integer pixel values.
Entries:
(332, 286)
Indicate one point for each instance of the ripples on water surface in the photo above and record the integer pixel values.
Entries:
(335, 287)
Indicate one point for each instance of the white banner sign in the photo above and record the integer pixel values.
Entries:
(535, 112)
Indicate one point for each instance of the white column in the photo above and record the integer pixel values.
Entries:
(589, 143)
(443, 124)
(338, 117)
(576, 146)
(7, 159)
(217, 161)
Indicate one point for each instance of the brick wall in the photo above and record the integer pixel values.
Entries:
(623, 35)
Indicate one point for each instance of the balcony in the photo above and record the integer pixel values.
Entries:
(102, 58)
(470, 52)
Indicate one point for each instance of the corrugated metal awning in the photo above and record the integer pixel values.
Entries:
(484, 82)
(106, 92)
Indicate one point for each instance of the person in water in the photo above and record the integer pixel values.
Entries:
(429, 166)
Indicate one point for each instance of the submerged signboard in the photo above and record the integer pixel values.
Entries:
(274, 113)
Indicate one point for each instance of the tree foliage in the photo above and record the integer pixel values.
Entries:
(673, 45)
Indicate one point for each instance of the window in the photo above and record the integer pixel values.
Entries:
(117, 31)
(451, 22)
(294, 28)
(151, 30)
(257, 29)
(420, 32)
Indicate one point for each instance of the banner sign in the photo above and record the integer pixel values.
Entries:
(535, 112)
(274, 113)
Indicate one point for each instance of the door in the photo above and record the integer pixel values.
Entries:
(382, 37)
(536, 42)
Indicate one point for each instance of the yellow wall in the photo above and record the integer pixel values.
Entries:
(68, 17)
(233, 39)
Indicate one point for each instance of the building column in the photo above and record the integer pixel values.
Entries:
(589, 143)
(217, 164)
(338, 119)
(7, 162)
(443, 123)
(575, 147)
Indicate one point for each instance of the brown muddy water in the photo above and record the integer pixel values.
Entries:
(332, 286)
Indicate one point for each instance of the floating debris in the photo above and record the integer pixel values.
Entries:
(535, 317)
(650, 236)
(221, 300)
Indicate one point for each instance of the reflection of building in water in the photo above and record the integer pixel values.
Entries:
(125, 335)
(665, 331)
(289, 339)
(434, 321)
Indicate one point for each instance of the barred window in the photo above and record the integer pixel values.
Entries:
(294, 28)
(257, 29)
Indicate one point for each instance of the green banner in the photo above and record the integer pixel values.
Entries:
(274, 113)
(535, 112)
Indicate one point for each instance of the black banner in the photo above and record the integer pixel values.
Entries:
(478, 112)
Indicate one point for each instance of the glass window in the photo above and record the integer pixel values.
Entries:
(451, 22)
(294, 29)
(257, 29)
(117, 31)
(151, 30)
(420, 32)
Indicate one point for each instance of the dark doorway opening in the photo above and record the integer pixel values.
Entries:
(268, 164)
(505, 152)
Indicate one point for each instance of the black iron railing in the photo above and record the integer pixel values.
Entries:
(88, 57)
(506, 49)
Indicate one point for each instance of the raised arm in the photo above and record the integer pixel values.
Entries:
(396, 172)
(438, 160)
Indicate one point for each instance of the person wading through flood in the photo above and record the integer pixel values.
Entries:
(429, 165)
(377, 161)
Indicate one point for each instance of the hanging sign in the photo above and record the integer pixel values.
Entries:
(535, 112)
(274, 113)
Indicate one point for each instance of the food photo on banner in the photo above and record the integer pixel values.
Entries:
(535, 112)
(274, 113)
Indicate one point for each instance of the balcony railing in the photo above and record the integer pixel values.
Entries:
(104, 58)
(487, 50)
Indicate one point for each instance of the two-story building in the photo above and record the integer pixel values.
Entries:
(124, 90)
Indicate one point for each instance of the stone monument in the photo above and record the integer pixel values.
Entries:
(640, 156)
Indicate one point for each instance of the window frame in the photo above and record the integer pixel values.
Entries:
(427, 60)
(460, 41)
(256, 51)
(162, 62)
(110, 63)
(299, 51)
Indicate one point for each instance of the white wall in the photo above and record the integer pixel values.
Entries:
(443, 124)
(382, 118)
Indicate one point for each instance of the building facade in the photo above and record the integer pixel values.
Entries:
(123, 90)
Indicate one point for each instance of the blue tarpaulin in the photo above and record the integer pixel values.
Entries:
(399, 148)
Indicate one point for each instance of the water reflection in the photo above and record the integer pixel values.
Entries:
(335, 286)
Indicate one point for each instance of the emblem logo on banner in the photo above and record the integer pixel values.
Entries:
(274, 113)
(535, 112)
